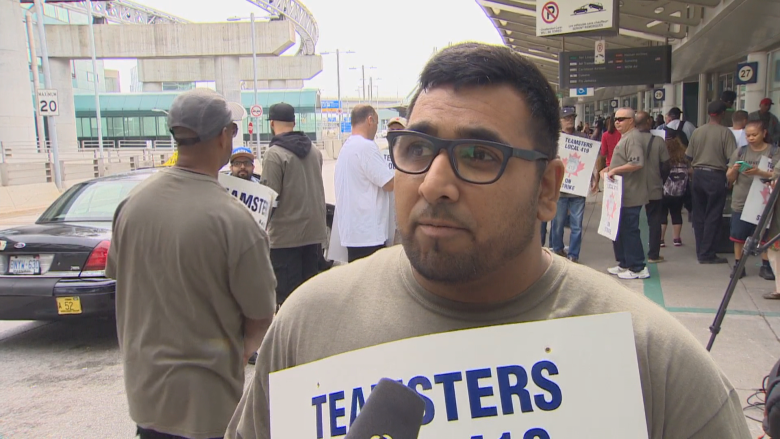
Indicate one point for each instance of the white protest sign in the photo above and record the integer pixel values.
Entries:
(543, 380)
(757, 196)
(258, 198)
(579, 157)
(610, 207)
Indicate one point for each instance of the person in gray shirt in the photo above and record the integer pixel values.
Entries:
(475, 174)
(657, 170)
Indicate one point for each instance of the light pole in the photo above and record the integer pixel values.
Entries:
(95, 77)
(50, 120)
(363, 69)
(254, 70)
(159, 110)
(338, 81)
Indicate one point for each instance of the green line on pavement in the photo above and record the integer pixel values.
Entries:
(652, 285)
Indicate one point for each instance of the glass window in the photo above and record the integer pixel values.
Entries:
(149, 127)
(62, 15)
(90, 77)
(94, 201)
(162, 126)
(49, 10)
(133, 126)
(79, 128)
(116, 127)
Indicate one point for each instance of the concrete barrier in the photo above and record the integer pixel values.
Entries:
(21, 198)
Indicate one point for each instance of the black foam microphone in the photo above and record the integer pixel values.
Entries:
(392, 411)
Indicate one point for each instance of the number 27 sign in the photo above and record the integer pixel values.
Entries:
(747, 73)
(47, 102)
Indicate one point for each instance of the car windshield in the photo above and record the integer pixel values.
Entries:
(89, 201)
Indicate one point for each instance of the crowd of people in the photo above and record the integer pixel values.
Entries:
(199, 284)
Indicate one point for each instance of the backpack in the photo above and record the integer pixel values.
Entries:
(677, 181)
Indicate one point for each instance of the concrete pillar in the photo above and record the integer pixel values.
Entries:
(227, 77)
(703, 117)
(714, 80)
(640, 100)
(62, 81)
(580, 108)
(151, 86)
(670, 100)
(755, 92)
(17, 117)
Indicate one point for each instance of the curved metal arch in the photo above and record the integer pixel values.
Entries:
(125, 12)
(302, 18)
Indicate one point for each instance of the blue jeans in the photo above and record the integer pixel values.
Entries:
(628, 245)
(574, 207)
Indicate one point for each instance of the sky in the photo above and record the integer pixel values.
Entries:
(397, 38)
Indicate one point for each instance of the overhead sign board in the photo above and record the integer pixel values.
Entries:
(747, 73)
(47, 102)
(659, 94)
(583, 91)
(633, 66)
(613, 104)
(565, 17)
(600, 54)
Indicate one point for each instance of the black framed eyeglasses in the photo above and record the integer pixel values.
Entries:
(474, 161)
(621, 119)
(186, 141)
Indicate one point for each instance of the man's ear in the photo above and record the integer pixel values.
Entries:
(550, 190)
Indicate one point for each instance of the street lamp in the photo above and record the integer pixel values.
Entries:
(95, 78)
(158, 110)
(338, 80)
(254, 69)
(363, 68)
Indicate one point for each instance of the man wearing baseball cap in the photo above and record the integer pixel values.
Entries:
(298, 227)
(771, 123)
(709, 150)
(195, 286)
(396, 123)
(242, 164)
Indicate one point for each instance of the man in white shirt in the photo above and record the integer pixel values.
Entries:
(673, 122)
(363, 185)
(739, 119)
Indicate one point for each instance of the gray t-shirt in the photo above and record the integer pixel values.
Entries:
(710, 146)
(742, 185)
(377, 300)
(656, 154)
(631, 149)
(190, 264)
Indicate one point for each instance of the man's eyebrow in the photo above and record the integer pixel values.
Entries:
(479, 133)
(423, 127)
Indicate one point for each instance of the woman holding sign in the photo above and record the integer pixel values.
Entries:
(744, 166)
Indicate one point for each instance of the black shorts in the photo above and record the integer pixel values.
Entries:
(741, 230)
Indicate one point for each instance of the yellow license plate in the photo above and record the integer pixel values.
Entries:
(69, 305)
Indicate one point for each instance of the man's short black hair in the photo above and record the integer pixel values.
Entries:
(728, 96)
(483, 65)
(740, 116)
(674, 113)
(361, 113)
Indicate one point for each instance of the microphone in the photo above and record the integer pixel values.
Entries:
(392, 411)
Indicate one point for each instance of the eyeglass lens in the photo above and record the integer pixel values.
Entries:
(242, 163)
(473, 162)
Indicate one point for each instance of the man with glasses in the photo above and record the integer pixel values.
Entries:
(242, 164)
(628, 161)
(195, 286)
(475, 174)
(297, 228)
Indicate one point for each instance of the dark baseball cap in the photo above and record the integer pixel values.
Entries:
(282, 112)
(568, 111)
(202, 111)
(716, 107)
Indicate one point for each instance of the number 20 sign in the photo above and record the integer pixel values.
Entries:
(47, 103)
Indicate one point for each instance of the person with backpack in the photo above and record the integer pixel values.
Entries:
(657, 164)
(675, 188)
(743, 168)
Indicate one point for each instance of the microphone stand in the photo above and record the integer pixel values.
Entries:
(752, 248)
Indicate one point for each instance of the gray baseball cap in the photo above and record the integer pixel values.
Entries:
(201, 110)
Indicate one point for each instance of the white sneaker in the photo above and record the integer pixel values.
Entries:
(628, 274)
(617, 269)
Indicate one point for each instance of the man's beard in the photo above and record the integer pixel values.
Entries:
(438, 265)
(244, 175)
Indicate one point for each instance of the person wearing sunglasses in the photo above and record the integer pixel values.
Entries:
(194, 282)
(476, 173)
